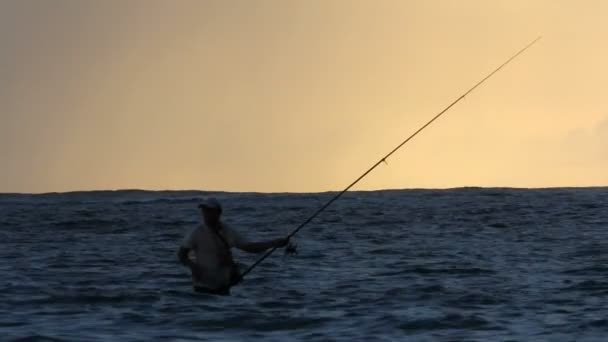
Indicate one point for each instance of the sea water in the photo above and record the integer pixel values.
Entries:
(467, 264)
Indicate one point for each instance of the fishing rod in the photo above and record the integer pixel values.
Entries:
(383, 159)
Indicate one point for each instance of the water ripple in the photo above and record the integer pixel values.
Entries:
(466, 264)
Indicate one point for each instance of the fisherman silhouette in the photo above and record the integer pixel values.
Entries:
(206, 250)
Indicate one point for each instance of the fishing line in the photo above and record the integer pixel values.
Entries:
(383, 159)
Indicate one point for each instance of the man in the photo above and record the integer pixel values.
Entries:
(213, 269)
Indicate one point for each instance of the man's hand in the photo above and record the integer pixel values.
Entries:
(280, 243)
(182, 256)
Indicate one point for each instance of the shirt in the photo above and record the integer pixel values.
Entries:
(213, 256)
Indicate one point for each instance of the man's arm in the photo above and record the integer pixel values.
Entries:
(185, 247)
(239, 241)
(258, 247)
(182, 255)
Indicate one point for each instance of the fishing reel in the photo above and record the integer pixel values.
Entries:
(291, 248)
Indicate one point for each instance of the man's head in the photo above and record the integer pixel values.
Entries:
(211, 210)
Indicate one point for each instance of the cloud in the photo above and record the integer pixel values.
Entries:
(601, 135)
(587, 146)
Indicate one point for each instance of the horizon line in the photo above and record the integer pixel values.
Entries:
(308, 192)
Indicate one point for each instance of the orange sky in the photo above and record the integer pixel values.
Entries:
(300, 95)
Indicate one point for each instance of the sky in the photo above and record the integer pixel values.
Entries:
(300, 96)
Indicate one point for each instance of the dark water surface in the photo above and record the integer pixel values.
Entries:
(417, 265)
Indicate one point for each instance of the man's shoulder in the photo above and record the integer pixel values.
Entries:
(197, 230)
(234, 236)
(191, 238)
(227, 228)
(200, 229)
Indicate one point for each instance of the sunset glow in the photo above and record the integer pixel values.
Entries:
(300, 95)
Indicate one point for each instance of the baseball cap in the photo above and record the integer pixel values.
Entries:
(210, 203)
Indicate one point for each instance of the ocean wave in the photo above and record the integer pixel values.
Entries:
(461, 264)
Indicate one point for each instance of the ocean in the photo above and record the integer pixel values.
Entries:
(467, 264)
